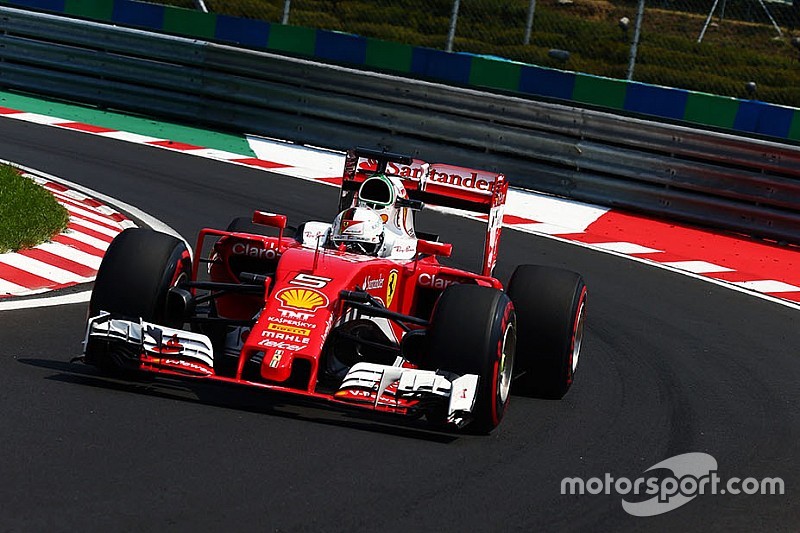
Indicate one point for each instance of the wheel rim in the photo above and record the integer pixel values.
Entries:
(506, 368)
(577, 338)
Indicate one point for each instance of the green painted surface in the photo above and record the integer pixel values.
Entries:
(388, 55)
(190, 23)
(794, 129)
(118, 121)
(604, 92)
(292, 39)
(711, 110)
(90, 9)
(495, 74)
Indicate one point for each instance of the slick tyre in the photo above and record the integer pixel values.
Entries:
(473, 331)
(551, 307)
(132, 282)
(246, 225)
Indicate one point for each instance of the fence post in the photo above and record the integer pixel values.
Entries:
(287, 4)
(451, 34)
(637, 31)
(529, 23)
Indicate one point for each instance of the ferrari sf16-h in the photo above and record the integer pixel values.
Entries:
(359, 313)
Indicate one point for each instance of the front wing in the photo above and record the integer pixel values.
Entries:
(150, 347)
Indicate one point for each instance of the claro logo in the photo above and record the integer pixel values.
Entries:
(434, 282)
(241, 248)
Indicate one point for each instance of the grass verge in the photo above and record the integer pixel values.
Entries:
(29, 215)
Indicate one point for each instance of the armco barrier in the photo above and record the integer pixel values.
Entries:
(745, 116)
(729, 182)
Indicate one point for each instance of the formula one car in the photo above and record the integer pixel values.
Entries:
(358, 313)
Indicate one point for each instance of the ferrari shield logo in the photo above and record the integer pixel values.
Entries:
(390, 287)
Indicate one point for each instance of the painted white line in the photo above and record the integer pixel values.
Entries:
(626, 248)
(6, 287)
(574, 216)
(73, 254)
(36, 118)
(148, 220)
(86, 239)
(94, 227)
(304, 173)
(41, 269)
(543, 227)
(213, 153)
(326, 161)
(88, 212)
(664, 266)
(767, 285)
(698, 267)
(129, 137)
(84, 296)
(62, 299)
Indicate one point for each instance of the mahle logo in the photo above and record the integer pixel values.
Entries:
(692, 474)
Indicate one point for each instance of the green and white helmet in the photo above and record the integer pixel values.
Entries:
(380, 193)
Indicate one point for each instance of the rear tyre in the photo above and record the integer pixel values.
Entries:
(551, 309)
(245, 225)
(473, 331)
(137, 270)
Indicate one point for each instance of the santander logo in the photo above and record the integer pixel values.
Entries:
(439, 174)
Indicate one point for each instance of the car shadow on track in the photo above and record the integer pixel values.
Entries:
(243, 399)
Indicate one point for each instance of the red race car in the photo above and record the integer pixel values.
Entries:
(359, 312)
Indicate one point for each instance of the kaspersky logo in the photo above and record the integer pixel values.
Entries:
(304, 299)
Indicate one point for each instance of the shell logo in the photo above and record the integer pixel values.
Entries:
(305, 299)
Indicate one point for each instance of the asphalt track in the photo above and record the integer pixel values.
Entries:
(670, 365)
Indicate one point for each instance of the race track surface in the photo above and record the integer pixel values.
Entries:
(670, 365)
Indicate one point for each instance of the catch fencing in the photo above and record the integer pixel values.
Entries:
(719, 180)
(740, 48)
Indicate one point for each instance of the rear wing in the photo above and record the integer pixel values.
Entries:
(477, 191)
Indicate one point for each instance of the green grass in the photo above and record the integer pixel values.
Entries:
(741, 48)
(29, 215)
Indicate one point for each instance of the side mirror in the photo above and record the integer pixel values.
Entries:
(442, 249)
(269, 219)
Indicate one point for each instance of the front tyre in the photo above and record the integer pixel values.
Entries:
(473, 331)
(551, 310)
(137, 270)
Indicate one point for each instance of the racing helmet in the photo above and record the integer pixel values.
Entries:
(381, 194)
(360, 229)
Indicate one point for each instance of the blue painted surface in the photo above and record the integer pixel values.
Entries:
(763, 118)
(246, 32)
(654, 100)
(547, 82)
(138, 14)
(442, 65)
(341, 47)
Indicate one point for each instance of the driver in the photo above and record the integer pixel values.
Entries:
(359, 229)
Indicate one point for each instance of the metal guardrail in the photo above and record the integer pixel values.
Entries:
(740, 184)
